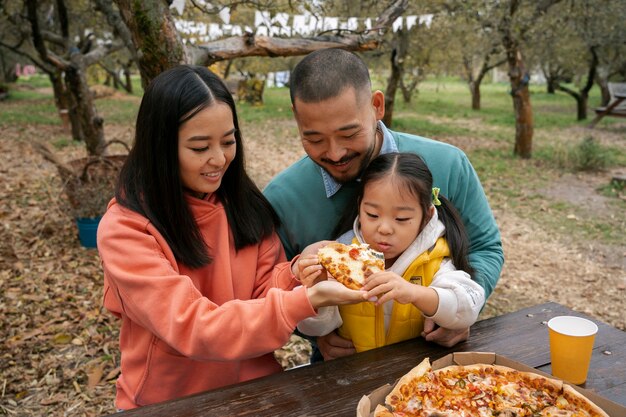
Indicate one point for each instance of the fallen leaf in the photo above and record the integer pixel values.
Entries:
(21, 395)
(112, 374)
(62, 338)
(94, 375)
(57, 398)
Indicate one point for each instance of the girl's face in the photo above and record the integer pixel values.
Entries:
(391, 218)
(206, 147)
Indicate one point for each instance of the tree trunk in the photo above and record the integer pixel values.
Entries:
(604, 91)
(473, 84)
(61, 95)
(581, 107)
(89, 121)
(475, 91)
(398, 54)
(392, 87)
(519, 79)
(129, 82)
(154, 35)
(550, 86)
(407, 90)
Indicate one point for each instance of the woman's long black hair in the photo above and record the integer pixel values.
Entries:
(150, 182)
(413, 176)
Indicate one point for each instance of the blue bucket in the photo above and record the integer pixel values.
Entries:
(87, 229)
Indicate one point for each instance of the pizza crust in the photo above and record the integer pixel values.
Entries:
(571, 395)
(415, 373)
(382, 411)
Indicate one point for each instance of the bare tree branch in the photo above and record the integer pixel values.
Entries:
(100, 52)
(251, 45)
(391, 13)
(16, 49)
(54, 38)
(63, 20)
(115, 20)
(209, 8)
(31, 6)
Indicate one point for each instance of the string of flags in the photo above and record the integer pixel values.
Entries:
(282, 24)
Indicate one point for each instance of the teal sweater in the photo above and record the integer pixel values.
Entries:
(307, 215)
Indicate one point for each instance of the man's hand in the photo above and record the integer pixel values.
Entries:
(441, 336)
(333, 346)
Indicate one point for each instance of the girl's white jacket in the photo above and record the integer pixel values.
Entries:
(460, 298)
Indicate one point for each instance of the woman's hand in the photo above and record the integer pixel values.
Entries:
(332, 293)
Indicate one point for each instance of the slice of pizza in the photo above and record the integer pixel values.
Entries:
(351, 264)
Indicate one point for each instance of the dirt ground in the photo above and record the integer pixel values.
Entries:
(59, 347)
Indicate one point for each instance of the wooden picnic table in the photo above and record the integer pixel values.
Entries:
(335, 387)
(616, 107)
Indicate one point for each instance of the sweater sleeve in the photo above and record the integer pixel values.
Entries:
(146, 288)
(268, 275)
(460, 298)
(485, 252)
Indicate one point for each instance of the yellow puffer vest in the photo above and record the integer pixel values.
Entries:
(364, 323)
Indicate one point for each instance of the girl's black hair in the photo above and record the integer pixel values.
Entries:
(150, 182)
(414, 176)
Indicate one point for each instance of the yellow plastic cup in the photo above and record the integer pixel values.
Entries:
(571, 343)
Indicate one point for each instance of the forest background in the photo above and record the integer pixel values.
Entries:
(512, 83)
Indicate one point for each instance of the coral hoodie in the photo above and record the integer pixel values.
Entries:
(183, 330)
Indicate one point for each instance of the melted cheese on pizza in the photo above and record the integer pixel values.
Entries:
(351, 264)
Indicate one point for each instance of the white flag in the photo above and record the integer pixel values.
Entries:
(179, 5)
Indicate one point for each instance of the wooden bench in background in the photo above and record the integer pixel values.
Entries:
(616, 106)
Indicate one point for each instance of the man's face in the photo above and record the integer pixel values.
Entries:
(339, 134)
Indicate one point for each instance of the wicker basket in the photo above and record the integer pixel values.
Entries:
(89, 182)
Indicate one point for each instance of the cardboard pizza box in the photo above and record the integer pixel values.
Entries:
(368, 402)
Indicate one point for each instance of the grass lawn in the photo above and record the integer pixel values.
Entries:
(441, 110)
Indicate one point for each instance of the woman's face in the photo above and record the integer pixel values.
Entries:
(390, 217)
(206, 147)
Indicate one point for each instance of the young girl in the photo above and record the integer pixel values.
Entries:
(427, 271)
(192, 264)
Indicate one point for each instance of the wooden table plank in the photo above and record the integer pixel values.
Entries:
(334, 388)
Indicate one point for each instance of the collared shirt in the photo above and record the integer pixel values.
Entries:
(388, 146)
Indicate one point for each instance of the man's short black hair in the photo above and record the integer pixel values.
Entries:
(325, 74)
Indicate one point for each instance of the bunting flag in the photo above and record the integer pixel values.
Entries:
(283, 24)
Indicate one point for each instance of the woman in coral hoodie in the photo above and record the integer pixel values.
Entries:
(192, 264)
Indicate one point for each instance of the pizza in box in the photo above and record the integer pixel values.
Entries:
(483, 391)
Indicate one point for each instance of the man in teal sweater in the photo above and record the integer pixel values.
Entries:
(339, 120)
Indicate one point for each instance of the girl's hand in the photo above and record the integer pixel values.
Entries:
(308, 270)
(384, 286)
